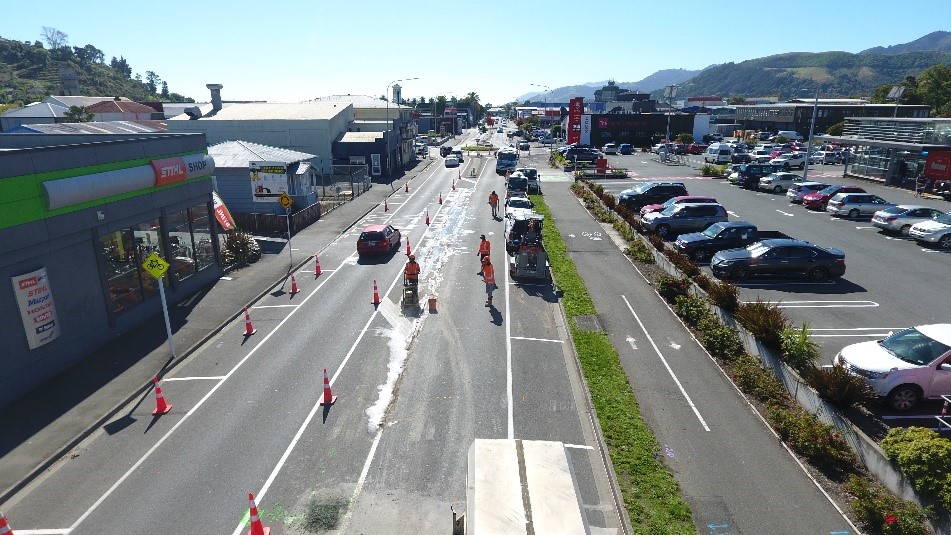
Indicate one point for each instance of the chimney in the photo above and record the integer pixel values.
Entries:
(215, 96)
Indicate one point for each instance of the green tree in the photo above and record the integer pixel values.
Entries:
(734, 100)
(121, 66)
(152, 81)
(935, 87)
(78, 114)
(164, 90)
(836, 129)
(54, 38)
(684, 138)
(472, 100)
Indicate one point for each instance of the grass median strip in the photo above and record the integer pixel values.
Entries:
(651, 494)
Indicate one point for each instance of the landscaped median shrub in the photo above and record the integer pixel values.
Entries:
(797, 348)
(657, 242)
(881, 512)
(719, 340)
(724, 295)
(638, 251)
(836, 385)
(749, 374)
(682, 262)
(691, 308)
(671, 287)
(810, 437)
(925, 457)
(764, 320)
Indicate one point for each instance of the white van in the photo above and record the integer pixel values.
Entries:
(791, 135)
(718, 153)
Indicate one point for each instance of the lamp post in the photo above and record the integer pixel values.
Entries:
(669, 93)
(812, 128)
(386, 140)
(547, 90)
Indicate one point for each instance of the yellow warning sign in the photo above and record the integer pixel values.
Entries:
(155, 265)
(285, 200)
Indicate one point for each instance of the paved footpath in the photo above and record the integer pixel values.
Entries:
(733, 471)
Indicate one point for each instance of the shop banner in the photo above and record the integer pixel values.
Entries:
(938, 165)
(376, 169)
(575, 110)
(221, 212)
(35, 301)
(585, 129)
(268, 180)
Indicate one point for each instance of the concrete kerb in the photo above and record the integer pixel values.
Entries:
(145, 387)
(868, 451)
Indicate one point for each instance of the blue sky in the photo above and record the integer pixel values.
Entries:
(287, 51)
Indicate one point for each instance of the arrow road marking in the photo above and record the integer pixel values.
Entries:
(632, 341)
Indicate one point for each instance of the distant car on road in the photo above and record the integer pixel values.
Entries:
(625, 148)
(523, 145)
(609, 148)
(378, 239)
(451, 161)
(779, 257)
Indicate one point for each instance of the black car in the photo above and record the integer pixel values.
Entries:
(651, 193)
(751, 173)
(717, 237)
(741, 157)
(444, 150)
(782, 257)
(581, 154)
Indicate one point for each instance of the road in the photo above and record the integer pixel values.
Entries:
(412, 394)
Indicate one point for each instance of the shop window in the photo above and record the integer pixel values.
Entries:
(201, 236)
(124, 251)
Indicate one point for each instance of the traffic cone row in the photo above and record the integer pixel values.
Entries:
(294, 289)
(248, 328)
(329, 398)
(160, 408)
(257, 528)
(316, 267)
(376, 294)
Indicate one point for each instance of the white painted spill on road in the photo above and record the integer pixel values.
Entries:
(673, 344)
(632, 342)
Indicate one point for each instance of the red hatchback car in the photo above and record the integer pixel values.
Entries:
(682, 199)
(819, 199)
(378, 239)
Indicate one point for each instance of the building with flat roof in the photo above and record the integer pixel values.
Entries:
(796, 114)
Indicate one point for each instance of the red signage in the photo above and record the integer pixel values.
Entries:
(938, 165)
(168, 171)
(575, 110)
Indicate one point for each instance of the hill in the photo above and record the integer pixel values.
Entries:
(933, 42)
(658, 80)
(795, 74)
(29, 72)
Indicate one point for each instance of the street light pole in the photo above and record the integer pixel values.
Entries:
(547, 90)
(386, 140)
(812, 128)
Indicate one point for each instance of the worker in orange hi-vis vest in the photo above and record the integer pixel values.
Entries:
(485, 248)
(494, 203)
(412, 271)
(488, 275)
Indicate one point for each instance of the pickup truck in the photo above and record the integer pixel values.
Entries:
(720, 236)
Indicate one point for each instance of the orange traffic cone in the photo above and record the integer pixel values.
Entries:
(386, 207)
(407, 246)
(4, 527)
(376, 294)
(257, 528)
(329, 398)
(316, 266)
(440, 197)
(160, 407)
(294, 289)
(427, 216)
(406, 187)
(248, 328)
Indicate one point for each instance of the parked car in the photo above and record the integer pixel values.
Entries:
(697, 148)
(789, 160)
(609, 148)
(451, 161)
(761, 156)
(905, 367)
(721, 236)
(378, 239)
(796, 192)
(716, 136)
(901, 218)
(625, 148)
(517, 202)
(499, 130)
(853, 205)
(680, 199)
(582, 154)
(782, 257)
(516, 184)
(752, 172)
(936, 232)
(679, 218)
(531, 174)
(818, 199)
(523, 145)
(651, 193)
(778, 182)
(741, 156)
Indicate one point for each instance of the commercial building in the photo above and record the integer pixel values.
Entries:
(796, 114)
(896, 151)
(77, 222)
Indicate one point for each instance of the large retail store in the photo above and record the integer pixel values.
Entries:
(76, 224)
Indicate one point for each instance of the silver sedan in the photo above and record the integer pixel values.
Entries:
(901, 218)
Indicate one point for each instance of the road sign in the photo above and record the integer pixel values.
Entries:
(285, 200)
(155, 265)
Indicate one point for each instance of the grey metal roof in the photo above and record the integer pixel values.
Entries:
(104, 127)
(360, 101)
(37, 109)
(272, 111)
(239, 153)
(360, 137)
(80, 101)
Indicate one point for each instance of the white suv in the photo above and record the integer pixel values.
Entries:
(905, 367)
(790, 160)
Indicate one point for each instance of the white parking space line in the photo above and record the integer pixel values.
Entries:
(863, 228)
(787, 283)
(825, 304)
(579, 446)
(273, 306)
(855, 332)
(538, 339)
(42, 531)
(785, 213)
(734, 214)
(666, 365)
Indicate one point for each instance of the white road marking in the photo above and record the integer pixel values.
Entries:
(632, 342)
(673, 344)
(825, 304)
(226, 278)
(785, 213)
(42, 531)
(509, 396)
(211, 378)
(538, 339)
(666, 365)
(579, 446)
(734, 214)
(274, 306)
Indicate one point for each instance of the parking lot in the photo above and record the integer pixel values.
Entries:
(890, 281)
